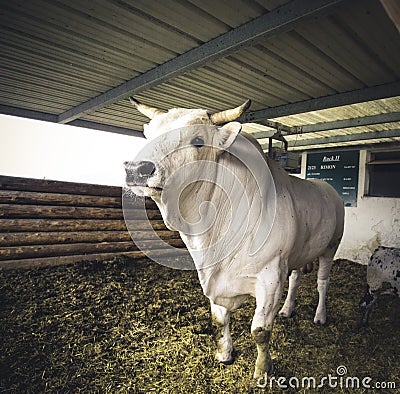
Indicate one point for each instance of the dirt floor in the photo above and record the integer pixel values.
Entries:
(137, 327)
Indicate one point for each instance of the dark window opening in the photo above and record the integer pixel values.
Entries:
(384, 174)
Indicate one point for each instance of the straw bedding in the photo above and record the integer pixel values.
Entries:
(126, 326)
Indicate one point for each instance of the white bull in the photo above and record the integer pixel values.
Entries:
(245, 221)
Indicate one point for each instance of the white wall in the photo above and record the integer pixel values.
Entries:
(375, 221)
(35, 149)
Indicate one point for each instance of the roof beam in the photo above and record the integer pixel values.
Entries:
(334, 125)
(27, 113)
(337, 139)
(279, 20)
(106, 127)
(354, 122)
(277, 126)
(43, 116)
(336, 100)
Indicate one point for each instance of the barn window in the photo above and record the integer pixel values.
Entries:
(384, 174)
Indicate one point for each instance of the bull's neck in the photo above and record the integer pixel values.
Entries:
(229, 209)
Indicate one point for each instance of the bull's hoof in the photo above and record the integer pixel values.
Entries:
(262, 373)
(228, 362)
(286, 314)
(224, 359)
(287, 311)
(320, 319)
(258, 374)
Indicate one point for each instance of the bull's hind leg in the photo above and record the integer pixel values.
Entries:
(294, 282)
(324, 269)
(268, 294)
(220, 318)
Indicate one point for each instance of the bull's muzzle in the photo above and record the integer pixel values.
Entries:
(137, 173)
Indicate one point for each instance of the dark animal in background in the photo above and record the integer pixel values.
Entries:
(383, 277)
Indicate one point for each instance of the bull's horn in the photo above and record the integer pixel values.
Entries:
(144, 109)
(230, 114)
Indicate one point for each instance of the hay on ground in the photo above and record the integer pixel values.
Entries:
(136, 327)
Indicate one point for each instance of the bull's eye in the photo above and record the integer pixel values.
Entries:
(198, 142)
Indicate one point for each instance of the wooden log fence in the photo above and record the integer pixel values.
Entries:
(45, 223)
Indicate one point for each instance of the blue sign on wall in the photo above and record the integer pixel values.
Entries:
(340, 169)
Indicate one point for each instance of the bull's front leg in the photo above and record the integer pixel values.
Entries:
(220, 318)
(269, 288)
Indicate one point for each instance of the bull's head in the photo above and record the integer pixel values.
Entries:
(204, 176)
(178, 138)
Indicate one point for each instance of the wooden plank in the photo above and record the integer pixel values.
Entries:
(138, 202)
(64, 260)
(67, 212)
(48, 238)
(44, 185)
(49, 222)
(34, 251)
(59, 212)
(41, 198)
(29, 225)
(56, 188)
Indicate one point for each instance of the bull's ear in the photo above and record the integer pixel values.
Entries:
(228, 134)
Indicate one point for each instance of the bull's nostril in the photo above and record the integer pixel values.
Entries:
(146, 169)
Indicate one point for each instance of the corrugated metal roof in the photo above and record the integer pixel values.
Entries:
(299, 141)
(57, 55)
